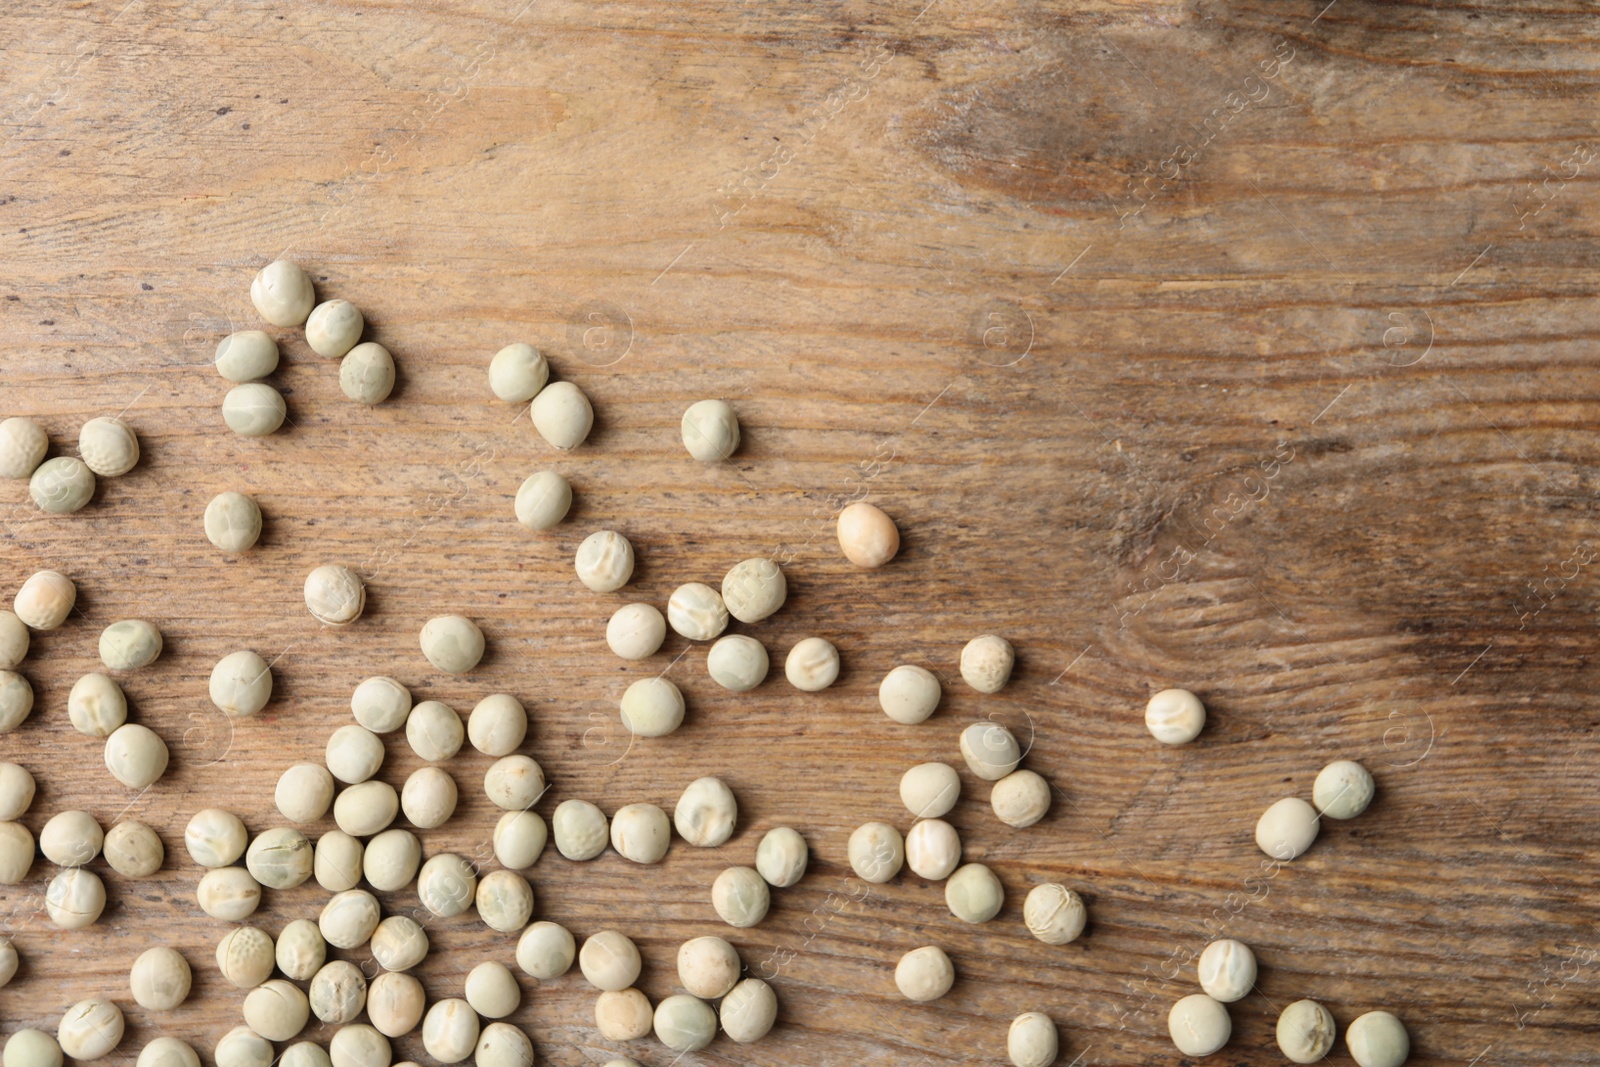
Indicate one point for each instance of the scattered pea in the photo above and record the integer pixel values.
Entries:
(133, 849)
(930, 790)
(710, 430)
(14, 641)
(696, 611)
(395, 1003)
(108, 446)
(366, 374)
(492, 989)
(304, 792)
(1175, 716)
(334, 327)
(71, 839)
(61, 485)
(246, 356)
(243, 1047)
(233, 522)
(543, 500)
(1020, 799)
(135, 755)
(353, 754)
(215, 838)
(228, 893)
(504, 901)
(362, 810)
(241, 684)
(32, 1048)
(562, 415)
(1054, 914)
(641, 833)
(753, 589)
(868, 537)
(519, 839)
(359, 1045)
(545, 951)
(399, 944)
(16, 791)
(604, 561)
(925, 974)
(276, 1009)
(876, 851)
(498, 724)
(684, 1023)
(381, 704)
(301, 950)
(428, 798)
(167, 1052)
(160, 979)
(933, 849)
(652, 707)
(974, 894)
(96, 705)
(16, 700)
(1032, 1040)
(338, 992)
(749, 1011)
(514, 783)
(737, 662)
(452, 643)
(254, 409)
(635, 631)
(336, 862)
(1306, 1031)
(45, 600)
(1343, 789)
(1199, 1025)
(1227, 970)
(812, 665)
(129, 645)
(740, 896)
(346, 921)
(623, 1014)
(90, 1029)
(986, 663)
(782, 856)
(1378, 1039)
(609, 960)
(706, 813)
(990, 750)
(1287, 828)
(245, 956)
(909, 694)
(280, 858)
(16, 853)
(446, 885)
(282, 293)
(517, 373)
(23, 444)
(503, 1045)
(579, 829)
(434, 731)
(708, 967)
(75, 898)
(450, 1030)
(335, 595)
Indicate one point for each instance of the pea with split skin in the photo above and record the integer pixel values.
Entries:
(498, 724)
(90, 1029)
(1175, 716)
(740, 896)
(428, 798)
(1054, 914)
(276, 1009)
(604, 561)
(706, 813)
(1305, 1031)
(337, 861)
(348, 919)
(543, 500)
(696, 611)
(782, 856)
(233, 522)
(1227, 970)
(517, 373)
(395, 1003)
(241, 684)
(280, 858)
(504, 901)
(228, 893)
(710, 430)
(933, 849)
(335, 595)
(282, 293)
(75, 898)
(1032, 1040)
(338, 992)
(450, 1030)
(399, 944)
(96, 705)
(749, 1011)
(1199, 1025)
(434, 731)
(812, 664)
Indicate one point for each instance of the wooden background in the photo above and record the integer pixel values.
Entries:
(1231, 346)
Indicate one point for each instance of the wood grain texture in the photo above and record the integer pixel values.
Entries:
(1245, 347)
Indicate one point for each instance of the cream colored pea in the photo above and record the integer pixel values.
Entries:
(1287, 828)
(974, 894)
(395, 1003)
(867, 536)
(1032, 1040)
(754, 589)
(503, 1045)
(363, 810)
(696, 611)
(604, 561)
(708, 967)
(160, 979)
(579, 829)
(215, 838)
(609, 960)
(335, 595)
(32, 1048)
(16, 852)
(452, 643)
(1343, 789)
(16, 791)
(336, 862)
(243, 1047)
(428, 798)
(1306, 1031)
(167, 1052)
(133, 849)
(1227, 970)
(652, 707)
(782, 856)
(381, 704)
(301, 950)
(749, 1011)
(391, 859)
(636, 631)
(75, 898)
(254, 409)
(304, 793)
(282, 293)
(399, 944)
(546, 950)
(241, 684)
(492, 989)
(562, 415)
(359, 1045)
(1378, 1039)
(924, 974)
(446, 885)
(305, 1054)
(876, 851)
(23, 444)
(71, 839)
(514, 783)
(9, 961)
(276, 1009)
(16, 700)
(986, 663)
(517, 373)
(62, 485)
(1175, 716)
(233, 522)
(641, 833)
(348, 919)
(519, 839)
(737, 662)
(930, 790)
(334, 327)
(135, 755)
(90, 1029)
(45, 600)
(14, 640)
(108, 446)
(990, 750)
(228, 893)
(1054, 914)
(1199, 1025)
(623, 1014)
(741, 897)
(504, 901)
(245, 956)
(710, 430)
(909, 694)
(129, 645)
(1020, 799)
(450, 1030)
(338, 992)
(247, 355)
(498, 724)
(812, 665)
(706, 813)
(543, 500)
(353, 754)
(684, 1023)
(366, 374)
(434, 731)
(933, 849)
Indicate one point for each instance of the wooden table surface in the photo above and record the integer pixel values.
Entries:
(1243, 347)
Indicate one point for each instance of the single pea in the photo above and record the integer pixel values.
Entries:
(737, 662)
(167, 1052)
(228, 893)
(514, 783)
(652, 707)
(280, 858)
(740, 896)
(428, 798)
(133, 849)
(974, 894)
(604, 561)
(1378, 1039)
(696, 611)
(348, 919)
(986, 663)
(753, 589)
(562, 415)
(16, 852)
(108, 446)
(990, 750)
(452, 643)
(517, 373)
(233, 522)
(353, 754)
(23, 444)
(247, 355)
(254, 409)
(62, 485)
(366, 374)
(129, 645)
(245, 956)
(498, 724)
(14, 640)
(9, 961)
(519, 839)
(1175, 716)
(710, 430)
(450, 1030)
(446, 885)
(924, 974)
(304, 792)
(276, 1009)
(135, 755)
(546, 950)
(243, 1047)
(1227, 970)
(609, 960)
(337, 861)
(16, 700)
(706, 813)
(381, 704)
(623, 1014)
(1199, 1025)
(215, 838)
(685, 1023)
(782, 856)
(1032, 1040)
(543, 500)
(334, 327)
(32, 1048)
(1343, 789)
(812, 665)
(641, 833)
(1020, 799)
(338, 992)
(71, 839)
(434, 731)
(359, 1045)
(909, 694)
(492, 989)
(708, 967)
(579, 829)
(930, 790)
(933, 849)
(305, 1054)
(867, 536)
(1054, 914)
(362, 810)
(335, 595)
(90, 1029)
(241, 684)
(1306, 1031)
(504, 901)
(45, 600)
(395, 1003)
(399, 944)
(635, 631)
(1287, 828)
(16, 791)
(749, 1011)
(503, 1045)
(301, 950)
(75, 898)
(96, 705)
(282, 293)
(160, 979)
(876, 851)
